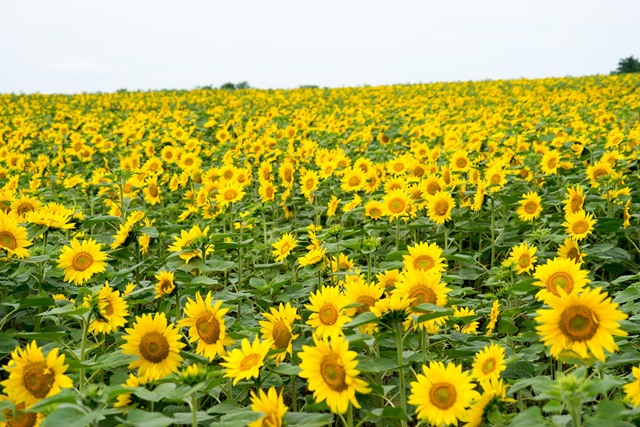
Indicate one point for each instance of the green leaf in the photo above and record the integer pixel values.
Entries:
(287, 369)
(141, 418)
(531, 417)
(308, 419)
(395, 413)
(65, 396)
(237, 419)
(72, 416)
(362, 319)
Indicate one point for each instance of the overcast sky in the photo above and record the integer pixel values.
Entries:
(87, 46)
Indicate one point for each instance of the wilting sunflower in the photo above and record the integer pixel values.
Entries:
(530, 206)
(522, 258)
(488, 363)
(284, 246)
(157, 345)
(328, 314)
(80, 261)
(579, 225)
(559, 273)
(439, 207)
(112, 310)
(570, 250)
(442, 394)
(314, 256)
(279, 328)
(245, 362)
(330, 369)
(165, 284)
(575, 199)
(13, 236)
(33, 377)
(424, 257)
(583, 323)
(271, 404)
(206, 325)
(632, 390)
(397, 204)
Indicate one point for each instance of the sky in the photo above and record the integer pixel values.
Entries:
(88, 46)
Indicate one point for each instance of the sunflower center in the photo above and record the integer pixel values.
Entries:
(249, 362)
(579, 323)
(288, 175)
(461, 162)
(433, 188)
(8, 240)
(366, 302)
(328, 314)
(281, 335)
(396, 205)
(24, 208)
(354, 181)
(531, 207)
(333, 373)
(309, 184)
(443, 395)
(375, 212)
(562, 280)
(573, 254)
(441, 207)
(423, 294)
(495, 179)
(488, 366)
(269, 191)
(208, 329)
(154, 347)
(38, 379)
(153, 191)
(599, 173)
(552, 163)
(576, 203)
(21, 419)
(230, 194)
(108, 309)
(81, 261)
(524, 261)
(286, 247)
(580, 227)
(423, 262)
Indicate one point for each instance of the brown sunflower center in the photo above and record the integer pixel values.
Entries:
(108, 308)
(154, 347)
(433, 188)
(208, 329)
(81, 261)
(8, 240)
(286, 247)
(354, 181)
(573, 254)
(443, 395)
(375, 212)
(488, 366)
(21, 419)
(328, 314)
(576, 203)
(281, 335)
(461, 162)
(396, 205)
(249, 362)
(552, 163)
(441, 207)
(579, 323)
(495, 179)
(562, 280)
(38, 379)
(230, 194)
(580, 227)
(25, 207)
(531, 207)
(366, 301)
(524, 261)
(423, 294)
(423, 262)
(153, 191)
(269, 191)
(333, 373)
(309, 184)
(288, 175)
(599, 173)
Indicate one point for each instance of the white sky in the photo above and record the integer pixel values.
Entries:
(84, 46)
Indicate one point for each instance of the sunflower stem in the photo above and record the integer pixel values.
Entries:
(403, 392)
(446, 237)
(83, 345)
(194, 410)
(397, 234)
(493, 232)
(350, 415)
(177, 302)
(294, 396)
(229, 389)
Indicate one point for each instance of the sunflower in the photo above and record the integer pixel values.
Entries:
(530, 206)
(424, 257)
(229, 194)
(330, 369)
(579, 225)
(80, 261)
(431, 185)
(575, 199)
(271, 404)
(187, 239)
(25, 204)
(597, 172)
(284, 246)
(397, 203)
(494, 392)
(133, 381)
(112, 310)
(18, 417)
(550, 162)
(266, 191)
(632, 390)
(245, 362)
(33, 377)
(459, 161)
(53, 215)
(314, 256)
(328, 314)
(206, 325)
(583, 323)
(493, 317)
(388, 278)
(279, 328)
(558, 274)
(309, 183)
(522, 258)
(165, 285)
(358, 291)
(332, 206)
(341, 262)
(439, 207)
(488, 363)
(152, 191)
(353, 180)
(374, 209)
(13, 236)
(156, 344)
(442, 394)
(423, 287)
(465, 312)
(495, 178)
(570, 250)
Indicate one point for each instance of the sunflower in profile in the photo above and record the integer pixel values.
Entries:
(53, 215)
(133, 381)
(574, 200)
(112, 310)
(206, 325)
(81, 261)
(465, 312)
(530, 206)
(279, 329)
(397, 204)
(341, 262)
(579, 225)
(558, 274)
(488, 363)
(156, 344)
(165, 285)
(328, 316)
(245, 362)
(330, 369)
(271, 404)
(439, 207)
(424, 257)
(522, 258)
(632, 390)
(570, 250)
(493, 317)
(442, 394)
(494, 392)
(13, 237)
(583, 323)
(183, 244)
(33, 377)
(312, 257)
(374, 209)
(283, 247)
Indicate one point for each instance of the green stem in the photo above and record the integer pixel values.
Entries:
(83, 347)
(229, 389)
(493, 232)
(403, 393)
(194, 410)
(294, 396)
(446, 237)
(177, 302)
(350, 415)
(397, 234)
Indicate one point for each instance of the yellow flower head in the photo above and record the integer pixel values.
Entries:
(328, 313)
(81, 261)
(579, 225)
(271, 404)
(284, 246)
(279, 329)
(558, 274)
(530, 206)
(245, 362)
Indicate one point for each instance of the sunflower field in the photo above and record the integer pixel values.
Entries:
(438, 254)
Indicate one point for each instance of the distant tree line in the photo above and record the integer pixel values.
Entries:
(627, 65)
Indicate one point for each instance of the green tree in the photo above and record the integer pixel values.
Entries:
(627, 65)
